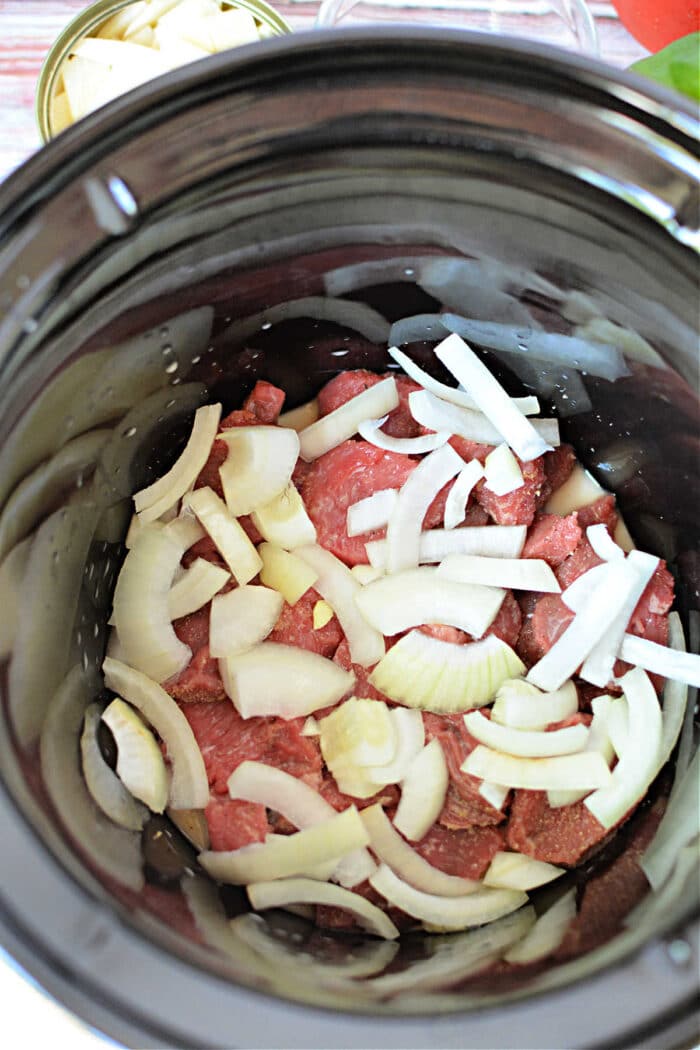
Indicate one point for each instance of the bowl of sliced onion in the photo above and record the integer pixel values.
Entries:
(349, 552)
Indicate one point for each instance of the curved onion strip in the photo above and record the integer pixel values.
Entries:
(141, 614)
(307, 891)
(152, 501)
(675, 699)
(577, 593)
(547, 933)
(514, 871)
(370, 431)
(285, 572)
(104, 785)
(678, 828)
(585, 769)
(526, 743)
(458, 496)
(281, 680)
(638, 765)
(659, 659)
(12, 570)
(427, 673)
(258, 466)
(438, 415)
(284, 520)
(342, 422)
(140, 764)
(410, 738)
(195, 588)
(339, 587)
(523, 574)
(521, 709)
(603, 544)
(453, 913)
(227, 534)
(598, 740)
(373, 512)
(495, 794)
(242, 618)
(113, 850)
(617, 720)
(502, 472)
(189, 787)
(392, 604)
(321, 614)
(356, 316)
(423, 792)
(394, 851)
(357, 734)
(300, 417)
(487, 541)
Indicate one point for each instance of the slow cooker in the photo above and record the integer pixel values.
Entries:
(136, 249)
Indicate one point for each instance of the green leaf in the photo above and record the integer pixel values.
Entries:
(676, 66)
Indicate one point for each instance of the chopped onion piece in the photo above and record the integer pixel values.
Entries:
(307, 891)
(300, 417)
(579, 490)
(491, 398)
(583, 770)
(284, 520)
(310, 727)
(185, 530)
(227, 534)
(107, 790)
(432, 675)
(503, 475)
(487, 541)
(403, 532)
(410, 738)
(151, 502)
(321, 614)
(394, 851)
(577, 593)
(547, 933)
(258, 467)
(285, 572)
(522, 706)
(342, 423)
(514, 871)
(678, 828)
(495, 794)
(603, 544)
(438, 415)
(141, 606)
(458, 496)
(283, 856)
(523, 574)
(638, 765)
(281, 680)
(423, 792)
(618, 724)
(242, 618)
(195, 588)
(339, 587)
(408, 599)
(140, 765)
(370, 430)
(450, 913)
(189, 787)
(527, 743)
(358, 734)
(680, 666)
(373, 512)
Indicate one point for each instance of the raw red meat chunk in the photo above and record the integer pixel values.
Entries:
(388, 796)
(362, 688)
(582, 559)
(464, 806)
(601, 512)
(545, 619)
(552, 538)
(265, 402)
(200, 680)
(346, 385)
(558, 466)
(560, 836)
(470, 449)
(234, 823)
(518, 507)
(466, 853)
(295, 627)
(435, 514)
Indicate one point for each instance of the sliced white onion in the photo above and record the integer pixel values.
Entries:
(282, 680)
(227, 534)
(284, 520)
(366, 573)
(522, 706)
(310, 727)
(356, 316)
(523, 574)
(370, 430)
(675, 707)
(577, 593)
(283, 856)
(195, 588)
(300, 417)
(495, 794)
(678, 828)
(282, 892)
(432, 675)
(423, 792)
(659, 659)
(342, 422)
(189, 787)
(618, 724)
(451, 913)
(12, 570)
(152, 501)
(185, 529)
(438, 415)
(529, 406)
(394, 851)
(583, 770)
(503, 475)
(410, 738)
(242, 618)
(547, 933)
(405, 525)
(579, 490)
(638, 765)
(141, 606)
(487, 541)
(603, 544)
(598, 740)
(458, 496)
(107, 790)
(392, 604)
(321, 614)
(356, 735)
(527, 743)
(258, 467)
(140, 764)
(285, 572)
(514, 871)
(339, 587)
(373, 512)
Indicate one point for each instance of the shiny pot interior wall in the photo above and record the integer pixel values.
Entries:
(145, 257)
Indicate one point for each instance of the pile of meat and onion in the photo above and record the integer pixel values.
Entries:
(398, 650)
